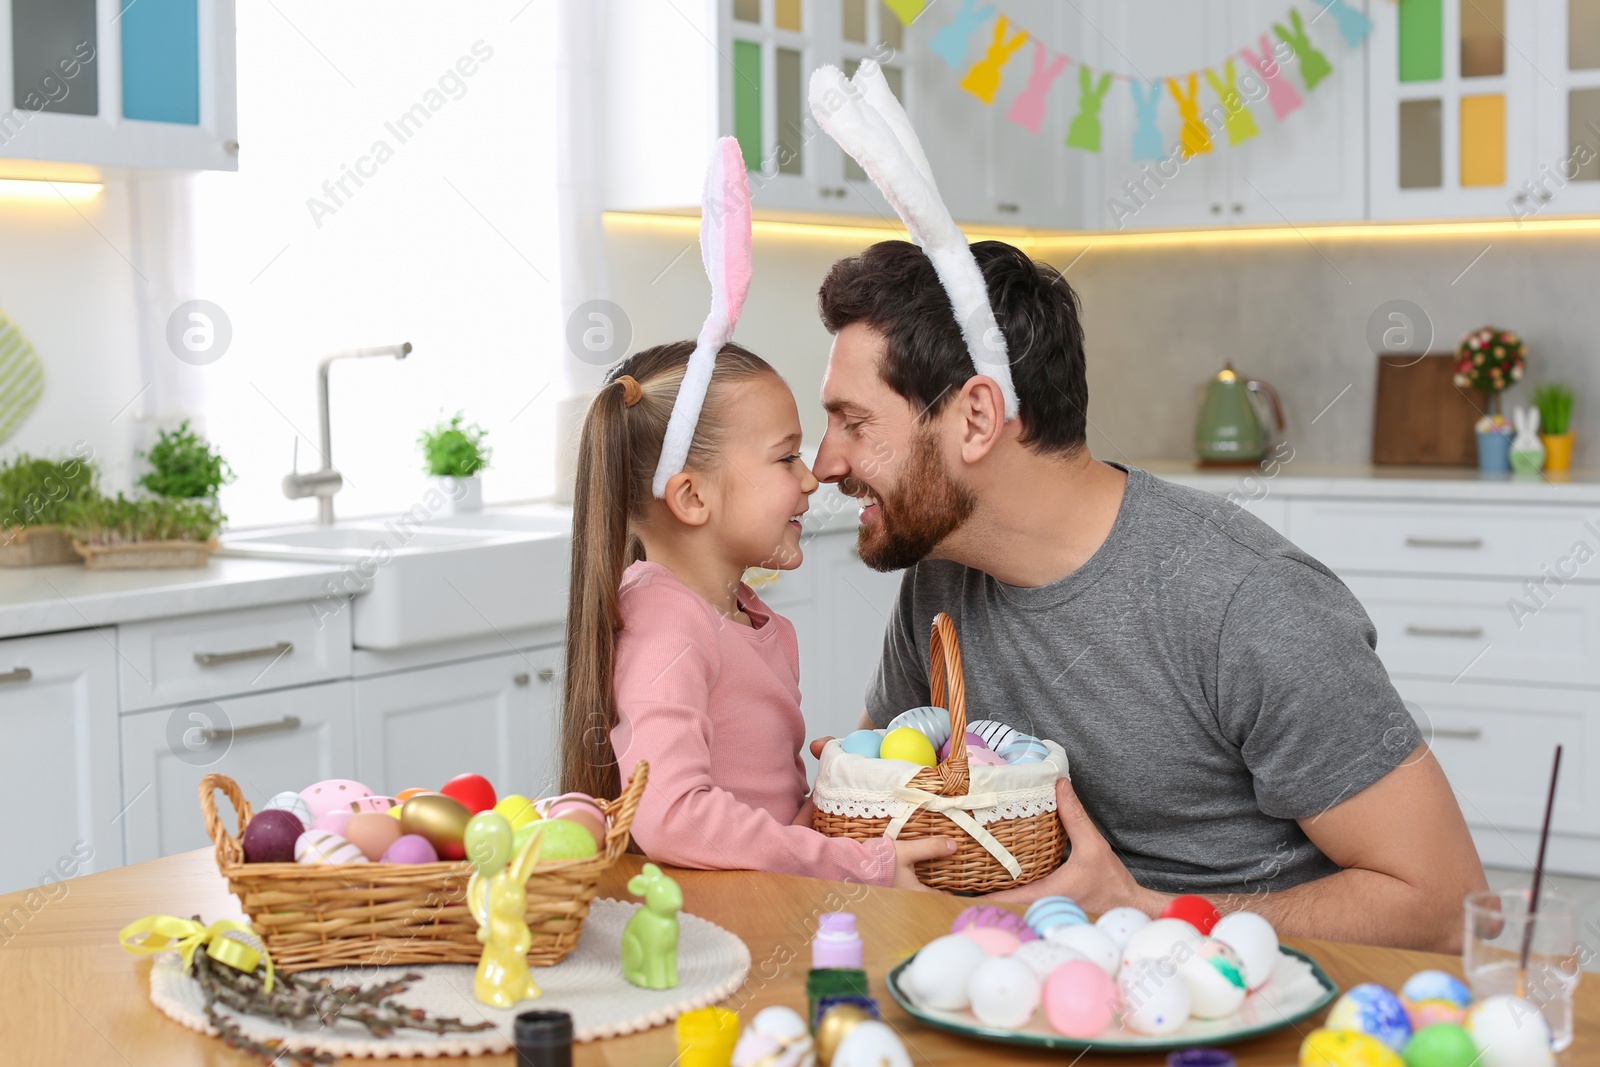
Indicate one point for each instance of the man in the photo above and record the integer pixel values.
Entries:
(1229, 727)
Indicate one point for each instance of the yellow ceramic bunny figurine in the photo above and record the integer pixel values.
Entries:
(497, 893)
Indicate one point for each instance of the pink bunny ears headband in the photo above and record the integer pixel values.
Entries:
(725, 251)
(863, 115)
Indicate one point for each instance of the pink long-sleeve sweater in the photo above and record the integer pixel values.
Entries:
(714, 707)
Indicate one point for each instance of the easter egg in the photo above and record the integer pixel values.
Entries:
(374, 803)
(870, 1044)
(565, 840)
(406, 794)
(1373, 1010)
(372, 832)
(1090, 942)
(1253, 940)
(1023, 749)
(912, 746)
(1004, 992)
(472, 790)
(937, 975)
(1215, 979)
(1048, 912)
(973, 741)
(270, 835)
(1509, 1032)
(585, 812)
(932, 723)
(776, 1037)
(993, 734)
(1198, 912)
(1425, 1013)
(411, 848)
(989, 915)
(1163, 939)
(394, 812)
(489, 842)
(325, 796)
(1042, 957)
(317, 848)
(1436, 985)
(1120, 923)
(518, 810)
(1344, 1048)
(863, 743)
(1441, 1045)
(995, 941)
(978, 756)
(521, 834)
(442, 820)
(333, 821)
(1151, 999)
(1079, 999)
(294, 804)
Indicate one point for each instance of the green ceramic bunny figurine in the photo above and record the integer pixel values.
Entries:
(650, 940)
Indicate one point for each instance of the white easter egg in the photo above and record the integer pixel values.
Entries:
(1042, 957)
(1255, 942)
(291, 802)
(1004, 992)
(776, 1037)
(1169, 939)
(1215, 979)
(871, 1044)
(1509, 1032)
(1120, 923)
(1093, 943)
(995, 734)
(1152, 999)
(318, 847)
(932, 723)
(937, 977)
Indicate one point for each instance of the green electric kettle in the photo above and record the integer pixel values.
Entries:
(1232, 430)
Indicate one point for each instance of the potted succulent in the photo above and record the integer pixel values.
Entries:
(1554, 401)
(143, 533)
(1491, 359)
(34, 494)
(454, 454)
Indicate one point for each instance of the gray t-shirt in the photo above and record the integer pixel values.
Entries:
(1210, 683)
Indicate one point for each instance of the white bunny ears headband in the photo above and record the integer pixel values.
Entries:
(725, 251)
(863, 115)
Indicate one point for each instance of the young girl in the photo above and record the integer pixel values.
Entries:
(671, 659)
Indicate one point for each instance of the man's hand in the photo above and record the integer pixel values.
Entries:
(907, 854)
(1093, 875)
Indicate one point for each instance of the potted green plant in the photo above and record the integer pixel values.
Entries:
(184, 466)
(454, 454)
(143, 533)
(1554, 401)
(34, 494)
(1491, 359)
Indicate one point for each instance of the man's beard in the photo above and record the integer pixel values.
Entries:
(927, 507)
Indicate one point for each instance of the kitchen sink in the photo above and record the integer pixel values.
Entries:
(536, 518)
(335, 544)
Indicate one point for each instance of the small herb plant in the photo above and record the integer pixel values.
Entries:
(184, 466)
(453, 450)
(36, 492)
(1554, 401)
(107, 521)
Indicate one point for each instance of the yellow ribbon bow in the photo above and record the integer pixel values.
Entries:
(154, 933)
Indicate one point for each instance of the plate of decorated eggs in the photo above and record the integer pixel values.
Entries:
(1124, 982)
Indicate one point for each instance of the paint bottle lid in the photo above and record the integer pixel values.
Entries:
(543, 1039)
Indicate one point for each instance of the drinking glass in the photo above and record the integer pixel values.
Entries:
(1491, 955)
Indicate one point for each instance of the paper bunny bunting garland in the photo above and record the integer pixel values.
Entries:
(725, 251)
(863, 115)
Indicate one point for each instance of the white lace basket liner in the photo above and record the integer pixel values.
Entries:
(712, 964)
(1005, 814)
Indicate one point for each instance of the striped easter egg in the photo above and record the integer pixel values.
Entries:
(994, 734)
(293, 803)
(932, 723)
(1024, 749)
(1047, 912)
(319, 847)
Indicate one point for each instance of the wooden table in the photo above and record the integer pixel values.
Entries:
(70, 995)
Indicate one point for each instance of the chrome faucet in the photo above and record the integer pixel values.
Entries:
(326, 481)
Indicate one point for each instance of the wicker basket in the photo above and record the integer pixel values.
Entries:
(380, 914)
(1035, 841)
(145, 555)
(36, 546)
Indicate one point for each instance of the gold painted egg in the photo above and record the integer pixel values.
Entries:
(441, 819)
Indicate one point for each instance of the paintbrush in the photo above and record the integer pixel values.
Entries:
(1538, 877)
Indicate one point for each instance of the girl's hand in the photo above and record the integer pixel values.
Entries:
(807, 810)
(909, 853)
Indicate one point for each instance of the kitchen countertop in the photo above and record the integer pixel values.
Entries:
(66, 596)
(1364, 480)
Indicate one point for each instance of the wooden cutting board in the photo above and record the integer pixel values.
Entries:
(1421, 416)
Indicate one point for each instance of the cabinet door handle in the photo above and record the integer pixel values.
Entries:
(20, 674)
(1216, 209)
(1238, 209)
(1444, 631)
(214, 659)
(1444, 542)
(288, 722)
(1009, 209)
(1466, 735)
(520, 678)
(546, 674)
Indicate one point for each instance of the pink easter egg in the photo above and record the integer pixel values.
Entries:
(982, 757)
(1079, 999)
(410, 848)
(995, 941)
(972, 740)
(333, 821)
(373, 803)
(333, 793)
(989, 915)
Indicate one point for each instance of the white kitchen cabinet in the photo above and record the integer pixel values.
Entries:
(267, 742)
(117, 83)
(499, 717)
(1566, 153)
(58, 758)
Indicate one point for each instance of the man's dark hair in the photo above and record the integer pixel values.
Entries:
(892, 287)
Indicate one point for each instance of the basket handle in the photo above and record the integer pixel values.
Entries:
(229, 848)
(948, 689)
(620, 812)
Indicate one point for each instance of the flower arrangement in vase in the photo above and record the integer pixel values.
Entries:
(1491, 359)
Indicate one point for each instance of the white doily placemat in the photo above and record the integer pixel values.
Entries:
(712, 963)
